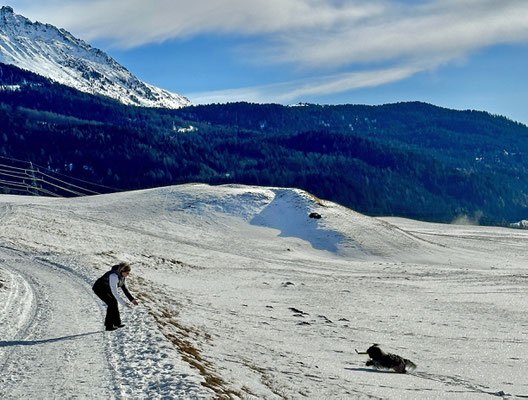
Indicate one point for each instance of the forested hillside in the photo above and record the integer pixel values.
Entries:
(408, 159)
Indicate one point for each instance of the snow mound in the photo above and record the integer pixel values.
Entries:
(523, 224)
(243, 212)
(339, 229)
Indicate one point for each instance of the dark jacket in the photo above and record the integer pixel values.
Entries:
(103, 283)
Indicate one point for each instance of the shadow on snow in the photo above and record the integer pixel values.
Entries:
(294, 222)
(377, 371)
(44, 341)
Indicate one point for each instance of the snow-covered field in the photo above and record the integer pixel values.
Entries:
(243, 295)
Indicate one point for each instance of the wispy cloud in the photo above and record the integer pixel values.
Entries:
(437, 29)
(377, 41)
(130, 23)
(287, 92)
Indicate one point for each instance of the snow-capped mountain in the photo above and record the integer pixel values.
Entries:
(58, 55)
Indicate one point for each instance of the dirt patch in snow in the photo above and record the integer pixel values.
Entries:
(184, 340)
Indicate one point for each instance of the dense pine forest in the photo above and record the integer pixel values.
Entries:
(407, 159)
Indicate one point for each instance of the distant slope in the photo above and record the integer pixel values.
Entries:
(226, 217)
(56, 54)
(409, 159)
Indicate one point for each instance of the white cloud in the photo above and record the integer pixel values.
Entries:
(441, 28)
(132, 23)
(287, 92)
(299, 31)
(392, 38)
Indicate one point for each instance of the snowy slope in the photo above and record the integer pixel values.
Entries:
(244, 296)
(56, 54)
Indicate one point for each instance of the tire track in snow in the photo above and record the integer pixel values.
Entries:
(457, 381)
(14, 314)
(5, 210)
(17, 313)
(60, 350)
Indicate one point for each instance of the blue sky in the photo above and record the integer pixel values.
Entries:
(463, 54)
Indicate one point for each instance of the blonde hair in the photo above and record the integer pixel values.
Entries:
(123, 267)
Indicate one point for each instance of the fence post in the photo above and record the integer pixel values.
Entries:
(33, 179)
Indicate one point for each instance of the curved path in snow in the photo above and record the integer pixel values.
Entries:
(52, 343)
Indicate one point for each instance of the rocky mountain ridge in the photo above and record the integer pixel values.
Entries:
(58, 55)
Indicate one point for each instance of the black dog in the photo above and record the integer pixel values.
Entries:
(380, 359)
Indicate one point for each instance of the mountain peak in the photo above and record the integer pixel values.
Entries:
(7, 14)
(57, 54)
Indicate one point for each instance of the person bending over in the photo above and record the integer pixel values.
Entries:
(106, 289)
